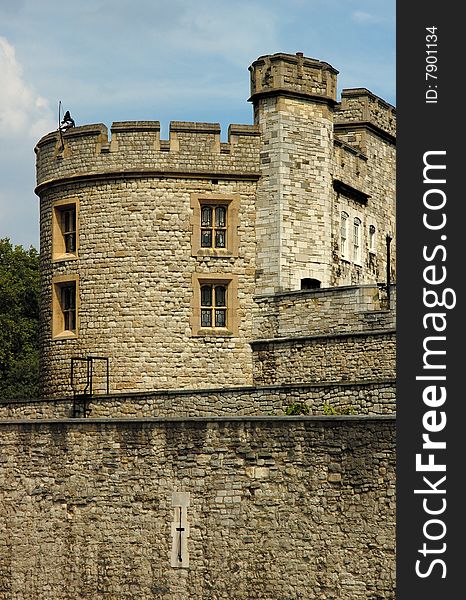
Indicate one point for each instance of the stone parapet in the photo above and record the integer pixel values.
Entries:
(135, 147)
(285, 74)
(324, 311)
(363, 398)
(360, 107)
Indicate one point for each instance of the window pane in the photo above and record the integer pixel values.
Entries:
(70, 320)
(66, 298)
(69, 220)
(68, 306)
(220, 238)
(70, 242)
(206, 295)
(206, 238)
(206, 216)
(206, 318)
(220, 295)
(66, 221)
(220, 216)
(220, 318)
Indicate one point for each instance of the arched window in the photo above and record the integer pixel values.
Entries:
(344, 234)
(372, 238)
(357, 240)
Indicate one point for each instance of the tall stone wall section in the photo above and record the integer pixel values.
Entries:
(278, 508)
(365, 159)
(293, 98)
(135, 262)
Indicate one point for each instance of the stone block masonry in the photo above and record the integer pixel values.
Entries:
(361, 398)
(324, 311)
(223, 281)
(334, 357)
(279, 508)
(309, 195)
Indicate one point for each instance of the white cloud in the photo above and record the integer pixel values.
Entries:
(22, 111)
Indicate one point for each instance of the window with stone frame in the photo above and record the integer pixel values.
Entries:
(65, 307)
(65, 230)
(344, 234)
(215, 304)
(357, 240)
(215, 225)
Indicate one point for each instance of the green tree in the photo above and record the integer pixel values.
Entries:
(19, 321)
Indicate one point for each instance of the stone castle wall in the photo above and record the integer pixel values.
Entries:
(360, 398)
(369, 355)
(135, 148)
(365, 159)
(324, 311)
(278, 508)
(294, 194)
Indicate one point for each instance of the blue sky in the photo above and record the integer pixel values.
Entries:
(117, 60)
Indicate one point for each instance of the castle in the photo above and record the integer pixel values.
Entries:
(193, 292)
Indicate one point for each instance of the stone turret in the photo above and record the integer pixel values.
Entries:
(123, 262)
(293, 99)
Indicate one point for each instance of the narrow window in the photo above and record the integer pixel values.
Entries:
(213, 305)
(65, 308)
(372, 239)
(68, 306)
(357, 240)
(344, 234)
(213, 226)
(68, 227)
(65, 230)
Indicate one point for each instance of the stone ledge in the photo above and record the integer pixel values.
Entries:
(306, 338)
(263, 389)
(214, 419)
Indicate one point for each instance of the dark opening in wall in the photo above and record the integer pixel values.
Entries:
(309, 284)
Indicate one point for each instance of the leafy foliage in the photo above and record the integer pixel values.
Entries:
(331, 410)
(297, 408)
(19, 321)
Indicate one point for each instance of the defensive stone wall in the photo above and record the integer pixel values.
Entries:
(273, 508)
(369, 355)
(365, 398)
(361, 107)
(324, 311)
(135, 148)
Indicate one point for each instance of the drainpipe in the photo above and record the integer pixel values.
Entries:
(388, 239)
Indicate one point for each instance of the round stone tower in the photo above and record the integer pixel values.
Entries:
(147, 256)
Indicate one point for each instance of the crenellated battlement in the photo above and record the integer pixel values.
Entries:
(136, 146)
(360, 107)
(293, 74)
